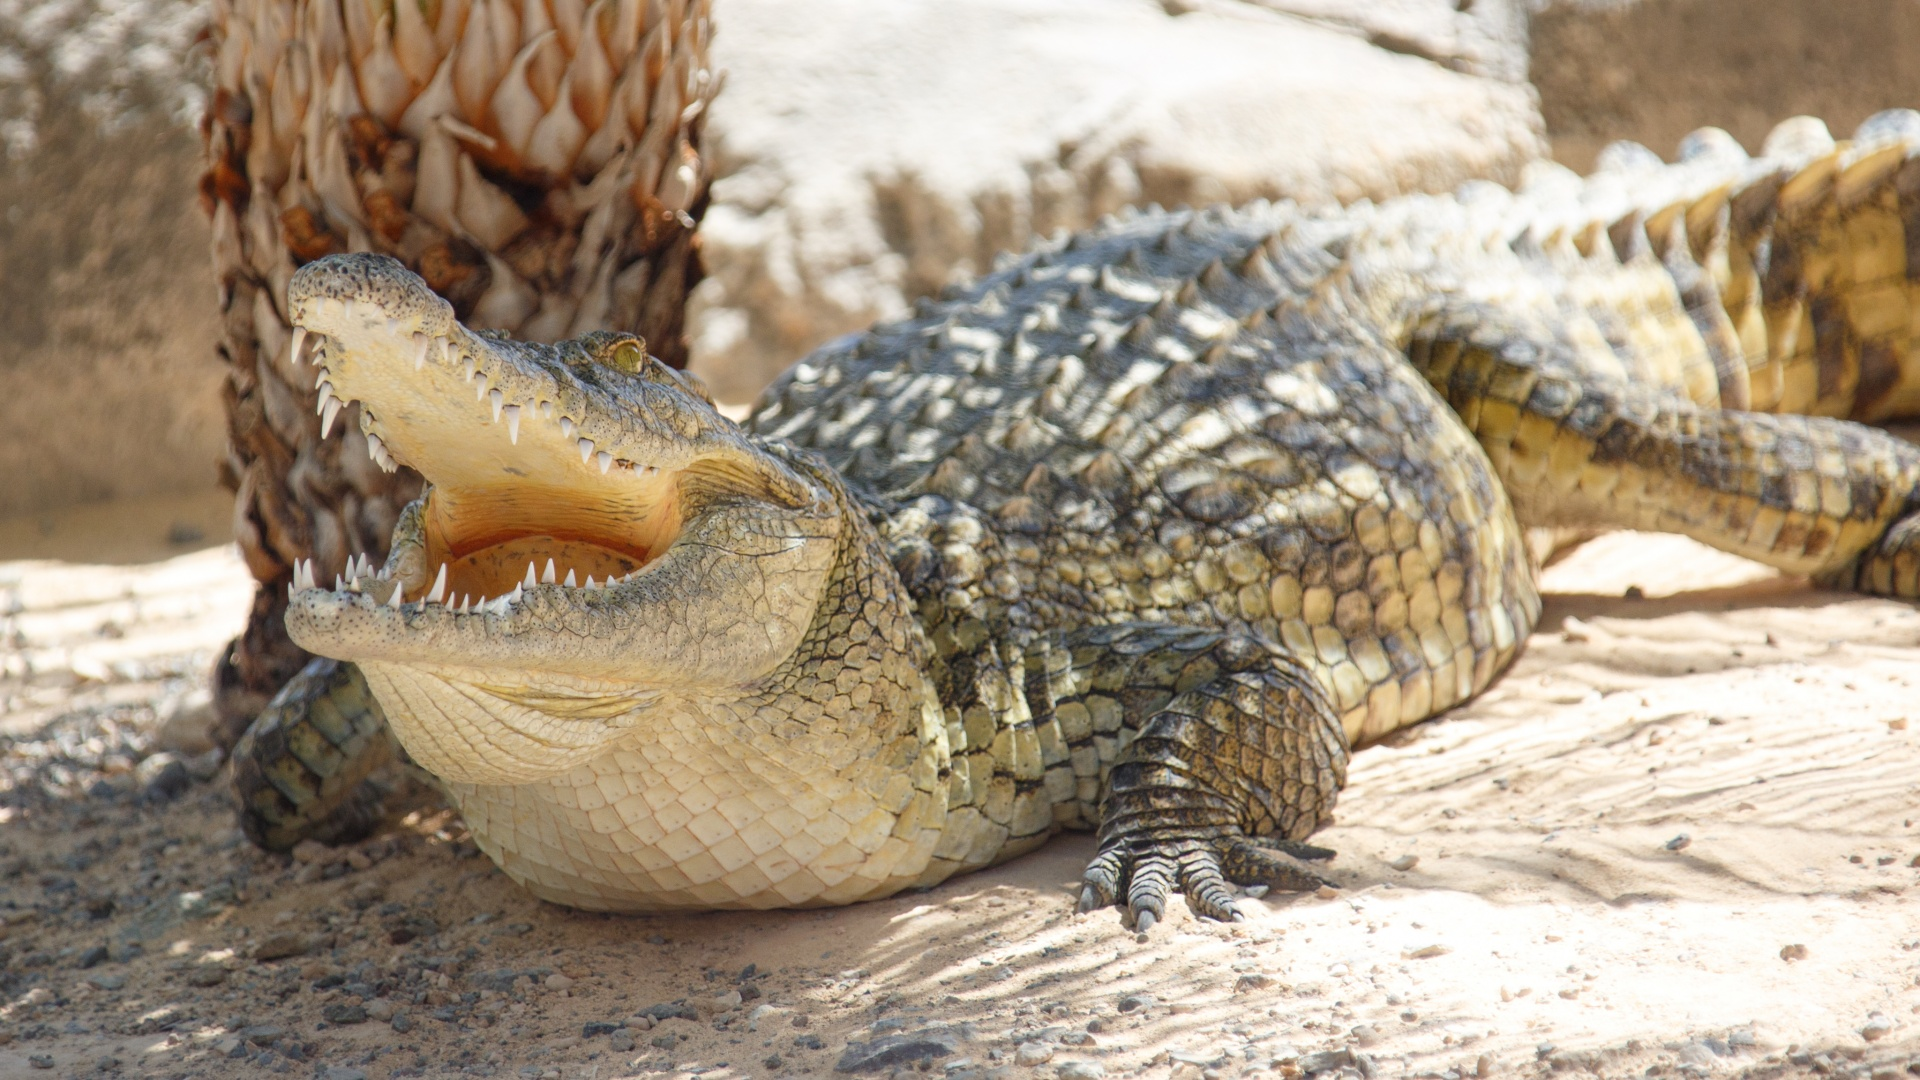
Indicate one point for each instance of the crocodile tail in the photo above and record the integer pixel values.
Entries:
(305, 768)
(1798, 269)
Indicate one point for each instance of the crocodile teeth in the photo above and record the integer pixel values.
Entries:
(546, 409)
(513, 423)
(480, 391)
(420, 343)
(532, 577)
(590, 583)
(299, 343)
(439, 591)
(549, 577)
(321, 379)
(326, 393)
(566, 427)
(499, 402)
(329, 409)
(570, 582)
(469, 367)
(514, 596)
(446, 350)
(605, 460)
(586, 450)
(502, 606)
(373, 446)
(399, 593)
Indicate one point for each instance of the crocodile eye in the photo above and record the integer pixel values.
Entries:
(629, 356)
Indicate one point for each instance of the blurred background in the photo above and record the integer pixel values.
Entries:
(866, 152)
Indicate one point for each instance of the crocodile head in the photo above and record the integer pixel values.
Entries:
(597, 540)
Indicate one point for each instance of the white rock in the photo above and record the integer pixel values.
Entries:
(872, 151)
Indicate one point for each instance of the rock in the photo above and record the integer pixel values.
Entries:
(206, 975)
(185, 723)
(401, 1024)
(90, 957)
(1877, 1027)
(341, 1072)
(380, 1009)
(1679, 843)
(1405, 863)
(163, 777)
(621, 1042)
(1325, 1061)
(1793, 952)
(312, 853)
(1080, 1070)
(1006, 121)
(593, 1028)
(557, 981)
(1076, 1038)
(108, 980)
(342, 1013)
(40, 1061)
(892, 1050)
(1251, 981)
(263, 1034)
(1033, 1053)
(280, 946)
(1136, 1002)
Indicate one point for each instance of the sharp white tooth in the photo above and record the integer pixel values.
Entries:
(299, 342)
(650, 470)
(570, 582)
(514, 596)
(499, 402)
(439, 591)
(586, 450)
(326, 393)
(502, 606)
(513, 423)
(446, 351)
(420, 343)
(546, 409)
(549, 577)
(328, 412)
(532, 577)
(373, 446)
(290, 589)
(469, 367)
(321, 379)
(480, 391)
(339, 583)
(590, 583)
(399, 593)
(566, 427)
(466, 605)
(605, 461)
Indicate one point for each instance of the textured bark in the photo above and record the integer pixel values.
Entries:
(537, 161)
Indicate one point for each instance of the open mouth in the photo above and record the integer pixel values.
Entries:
(524, 495)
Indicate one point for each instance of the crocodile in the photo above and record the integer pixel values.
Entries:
(1142, 532)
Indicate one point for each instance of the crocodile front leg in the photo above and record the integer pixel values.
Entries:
(1235, 757)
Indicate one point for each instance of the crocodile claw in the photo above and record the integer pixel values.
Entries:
(1146, 872)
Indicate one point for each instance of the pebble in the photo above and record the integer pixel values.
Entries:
(207, 975)
(1081, 1070)
(380, 1009)
(281, 946)
(621, 1042)
(1793, 952)
(1326, 892)
(1679, 843)
(1033, 1053)
(892, 1050)
(1076, 1038)
(1877, 1027)
(41, 1061)
(263, 1034)
(1405, 863)
(1136, 1002)
(108, 980)
(557, 981)
(342, 1013)
(90, 957)
(401, 1024)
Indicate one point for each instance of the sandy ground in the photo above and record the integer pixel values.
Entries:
(1677, 839)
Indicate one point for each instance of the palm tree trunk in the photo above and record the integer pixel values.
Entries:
(536, 161)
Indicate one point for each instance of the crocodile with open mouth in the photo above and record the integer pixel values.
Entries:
(1141, 532)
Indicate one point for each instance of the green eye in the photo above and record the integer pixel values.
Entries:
(628, 356)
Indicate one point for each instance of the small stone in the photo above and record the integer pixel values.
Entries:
(1136, 1002)
(312, 852)
(380, 1009)
(1033, 1053)
(1081, 1070)
(1405, 863)
(108, 980)
(1076, 1038)
(557, 981)
(593, 1028)
(90, 957)
(1877, 1027)
(1793, 952)
(1426, 952)
(280, 946)
(621, 1042)
(163, 777)
(773, 1061)
(1365, 1035)
(341, 1072)
(1096, 1025)
(342, 1013)
(41, 1061)
(1679, 843)
(1325, 1061)
(1326, 892)
(1483, 1066)
(206, 975)
(892, 1050)
(401, 1024)
(263, 1034)
(1251, 981)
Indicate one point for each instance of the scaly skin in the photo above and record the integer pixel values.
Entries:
(1142, 532)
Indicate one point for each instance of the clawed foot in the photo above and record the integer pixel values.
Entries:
(1142, 871)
